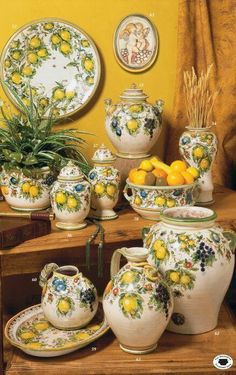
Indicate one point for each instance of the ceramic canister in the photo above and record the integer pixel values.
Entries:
(105, 180)
(133, 125)
(70, 198)
(69, 300)
(137, 302)
(197, 258)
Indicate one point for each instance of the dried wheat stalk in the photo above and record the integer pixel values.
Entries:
(199, 100)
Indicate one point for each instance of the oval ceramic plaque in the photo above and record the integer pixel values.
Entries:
(57, 59)
(136, 43)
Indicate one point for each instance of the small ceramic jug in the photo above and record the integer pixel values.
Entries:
(197, 258)
(137, 302)
(70, 198)
(105, 180)
(133, 125)
(69, 300)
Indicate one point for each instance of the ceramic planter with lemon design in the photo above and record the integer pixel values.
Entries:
(197, 258)
(69, 300)
(149, 201)
(58, 59)
(24, 193)
(137, 302)
(105, 180)
(198, 147)
(70, 198)
(133, 125)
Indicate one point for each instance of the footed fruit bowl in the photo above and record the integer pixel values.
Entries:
(149, 201)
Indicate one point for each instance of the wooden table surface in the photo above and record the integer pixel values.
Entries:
(176, 354)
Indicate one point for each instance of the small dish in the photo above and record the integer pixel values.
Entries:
(30, 331)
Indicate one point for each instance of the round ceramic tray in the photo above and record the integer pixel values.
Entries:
(30, 331)
(57, 59)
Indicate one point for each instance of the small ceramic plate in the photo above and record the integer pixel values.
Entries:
(30, 331)
(58, 59)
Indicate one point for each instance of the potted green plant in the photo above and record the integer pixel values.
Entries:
(32, 152)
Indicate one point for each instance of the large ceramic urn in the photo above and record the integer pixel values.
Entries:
(197, 258)
(133, 125)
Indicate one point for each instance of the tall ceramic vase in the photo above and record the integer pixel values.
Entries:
(198, 147)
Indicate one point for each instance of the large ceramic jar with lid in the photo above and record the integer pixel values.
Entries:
(70, 198)
(69, 300)
(197, 258)
(137, 302)
(105, 180)
(133, 125)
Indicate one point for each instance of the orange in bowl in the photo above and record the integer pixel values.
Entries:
(158, 172)
(178, 166)
(175, 178)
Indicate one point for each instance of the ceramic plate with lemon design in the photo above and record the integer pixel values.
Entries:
(58, 60)
(30, 331)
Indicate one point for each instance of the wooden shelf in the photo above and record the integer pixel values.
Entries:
(176, 354)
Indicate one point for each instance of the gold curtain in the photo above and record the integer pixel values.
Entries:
(206, 35)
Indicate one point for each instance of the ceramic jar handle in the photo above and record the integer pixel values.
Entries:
(128, 197)
(196, 192)
(46, 271)
(115, 261)
(231, 236)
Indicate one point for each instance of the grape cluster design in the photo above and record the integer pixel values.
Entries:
(163, 296)
(87, 296)
(203, 253)
(149, 125)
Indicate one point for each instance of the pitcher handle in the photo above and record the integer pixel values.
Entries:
(231, 236)
(46, 271)
(115, 261)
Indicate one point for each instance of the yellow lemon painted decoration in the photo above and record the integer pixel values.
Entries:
(26, 101)
(137, 200)
(182, 237)
(185, 280)
(130, 304)
(16, 78)
(88, 64)
(33, 91)
(27, 335)
(48, 26)
(198, 152)
(42, 52)
(160, 201)
(90, 80)
(59, 94)
(16, 55)
(65, 35)
(34, 345)
(7, 63)
(170, 203)
(111, 190)
(71, 202)
(43, 102)
(128, 277)
(204, 164)
(27, 71)
(65, 48)
(64, 306)
(34, 191)
(70, 94)
(99, 189)
(25, 187)
(82, 335)
(55, 39)
(41, 326)
(60, 198)
(5, 190)
(160, 252)
(174, 276)
(32, 58)
(85, 43)
(136, 108)
(34, 42)
(132, 125)
(95, 327)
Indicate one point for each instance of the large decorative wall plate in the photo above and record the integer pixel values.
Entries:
(136, 43)
(31, 332)
(58, 59)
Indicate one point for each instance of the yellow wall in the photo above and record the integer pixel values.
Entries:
(99, 19)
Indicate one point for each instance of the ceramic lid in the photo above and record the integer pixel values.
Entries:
(71, 172)
(133, 93)
(103, 155)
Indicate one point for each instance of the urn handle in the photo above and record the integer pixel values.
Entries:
(115, 260)
(231, 236)
(196, 192)
(108, 103)
(160, 104)
(46, 271)
(125, 192)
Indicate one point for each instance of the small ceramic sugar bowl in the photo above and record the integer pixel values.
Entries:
(105, 180)
(70, 198)
(69, 300)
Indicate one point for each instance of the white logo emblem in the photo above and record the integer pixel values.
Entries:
(223, 361)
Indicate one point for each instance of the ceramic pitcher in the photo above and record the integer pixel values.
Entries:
(133, 125)
(104, 179)
(137, 302)
(197, 258)
(69, 300)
